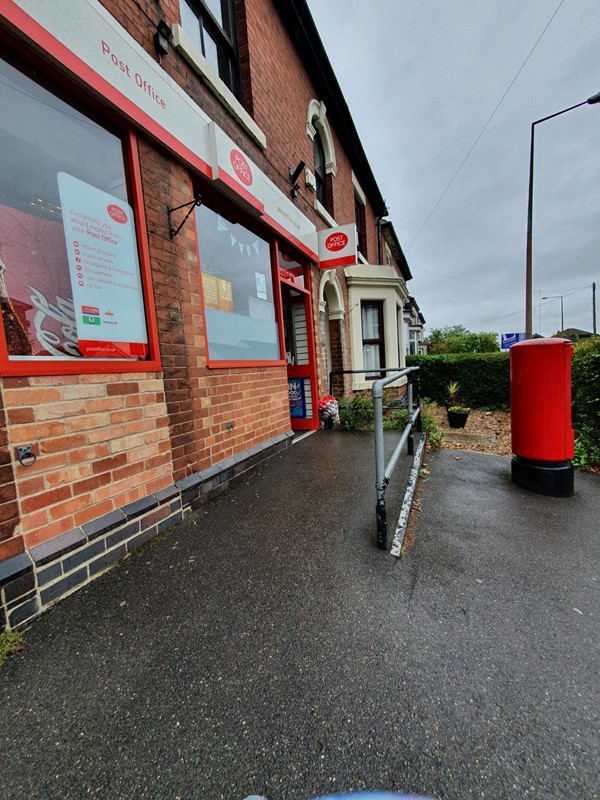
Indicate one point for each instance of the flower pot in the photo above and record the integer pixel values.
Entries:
(457, 419)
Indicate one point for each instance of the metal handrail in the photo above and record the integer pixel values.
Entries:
(364, 372)
(383, 472)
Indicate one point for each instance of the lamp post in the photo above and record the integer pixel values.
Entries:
(562, 316)
(528, 270)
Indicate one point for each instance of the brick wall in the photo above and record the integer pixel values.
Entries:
(10, 544)
(101, 442)
(275, 90)
(107, 440)
(281, 93)
(200, 401)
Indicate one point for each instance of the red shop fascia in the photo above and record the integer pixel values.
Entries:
(89, 229)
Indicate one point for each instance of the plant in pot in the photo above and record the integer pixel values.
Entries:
(457, 412)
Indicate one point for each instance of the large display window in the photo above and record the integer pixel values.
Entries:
(237, 283)
(72, 293)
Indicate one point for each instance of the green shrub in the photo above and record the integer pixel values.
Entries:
(356, 412)
(395, 420)
(484, 378)
(585, 379)
(434, 433)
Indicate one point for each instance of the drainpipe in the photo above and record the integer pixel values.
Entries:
(379, 253)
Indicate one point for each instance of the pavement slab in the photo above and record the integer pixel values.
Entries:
(266, 646)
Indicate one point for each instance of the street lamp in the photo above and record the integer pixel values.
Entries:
(528, 271)
(562, 316)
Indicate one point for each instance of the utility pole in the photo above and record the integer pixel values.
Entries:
(594, 306)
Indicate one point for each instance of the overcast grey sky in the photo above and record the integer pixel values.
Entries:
(421, 79)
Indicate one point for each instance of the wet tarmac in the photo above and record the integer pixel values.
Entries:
(266, 646)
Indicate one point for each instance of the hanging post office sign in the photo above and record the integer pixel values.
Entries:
(337, 246)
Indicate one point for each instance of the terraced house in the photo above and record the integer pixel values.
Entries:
(191, 240)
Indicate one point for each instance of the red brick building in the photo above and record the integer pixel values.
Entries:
(191, 239)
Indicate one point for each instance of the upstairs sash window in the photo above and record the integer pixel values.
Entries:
(211, 26)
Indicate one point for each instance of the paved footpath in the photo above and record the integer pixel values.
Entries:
(266, 646)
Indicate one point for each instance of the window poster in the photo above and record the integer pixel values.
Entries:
(210, 290)
(218, 293)
(104, 271)
(225, 291)
(35, 291)
(297, 398)
(261, 285)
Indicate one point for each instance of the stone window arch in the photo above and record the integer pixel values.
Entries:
(316, 121)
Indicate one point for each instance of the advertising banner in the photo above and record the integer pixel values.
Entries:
(297, 398)
(337, 246)
(104, 271)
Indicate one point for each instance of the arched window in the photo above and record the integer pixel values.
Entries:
(320, 174)
(317, 128)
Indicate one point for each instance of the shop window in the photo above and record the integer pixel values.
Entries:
(70, 282)
(211, 26)
(372, 338)
(237, 284)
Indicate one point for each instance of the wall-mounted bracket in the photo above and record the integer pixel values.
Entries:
(197, 201)
(26, 455)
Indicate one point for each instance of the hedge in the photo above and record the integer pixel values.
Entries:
(483, 378)
(585, 374)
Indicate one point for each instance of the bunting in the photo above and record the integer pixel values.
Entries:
(222, 227)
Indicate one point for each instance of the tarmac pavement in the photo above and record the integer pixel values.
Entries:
(265, 646)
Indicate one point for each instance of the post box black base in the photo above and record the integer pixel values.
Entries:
(554, 478)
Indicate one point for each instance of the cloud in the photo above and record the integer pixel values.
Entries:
(421, 80)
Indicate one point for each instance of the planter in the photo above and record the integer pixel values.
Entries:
(457, 419)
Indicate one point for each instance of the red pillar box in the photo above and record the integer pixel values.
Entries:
(540, 410)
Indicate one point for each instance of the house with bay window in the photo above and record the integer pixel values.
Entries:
(191, 241)
(415, 323)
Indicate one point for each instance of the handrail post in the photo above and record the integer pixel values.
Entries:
(380, 481)
(418, 399)
(410, 442)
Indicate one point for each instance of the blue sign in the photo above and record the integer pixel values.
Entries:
(508, 339)
(297, 398)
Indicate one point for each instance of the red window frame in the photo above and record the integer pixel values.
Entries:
(73, 95)
(213, 197)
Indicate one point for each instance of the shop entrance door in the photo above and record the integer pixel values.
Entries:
(300, 357)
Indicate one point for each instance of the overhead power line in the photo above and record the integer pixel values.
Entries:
(482, 131)
(510, 289)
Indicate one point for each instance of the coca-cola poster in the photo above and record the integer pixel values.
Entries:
(35, 286)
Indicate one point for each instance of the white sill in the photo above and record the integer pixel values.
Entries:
(184, 45)
(322, 212)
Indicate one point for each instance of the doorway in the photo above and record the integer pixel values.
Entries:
(299, 353)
